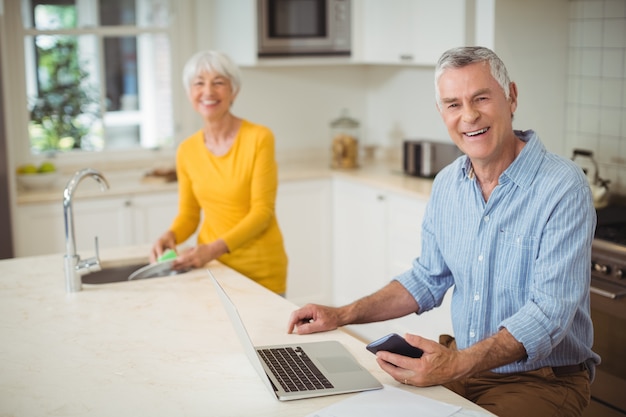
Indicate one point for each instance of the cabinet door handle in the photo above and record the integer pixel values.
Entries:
(380, 197)
(128, 203)
(406, 57)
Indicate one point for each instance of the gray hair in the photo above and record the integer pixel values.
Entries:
(466, 55)
(211, 61)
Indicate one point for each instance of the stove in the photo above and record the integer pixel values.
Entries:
(608, 254)
(608, 312)
(612, 223)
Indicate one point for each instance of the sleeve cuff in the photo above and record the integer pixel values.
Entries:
(531, 333)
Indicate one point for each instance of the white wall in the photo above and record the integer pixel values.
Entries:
(596, 101)
(531, 38)
(298, 103)
(401, 104)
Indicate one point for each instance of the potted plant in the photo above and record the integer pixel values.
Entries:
(63, 113)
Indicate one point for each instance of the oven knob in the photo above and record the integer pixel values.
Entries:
(603, 269)
(620, 273)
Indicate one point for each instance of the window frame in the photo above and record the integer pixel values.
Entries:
(12, 35)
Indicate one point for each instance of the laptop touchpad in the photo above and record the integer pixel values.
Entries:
(339, 364)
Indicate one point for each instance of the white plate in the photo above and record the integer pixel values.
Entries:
(155, 270)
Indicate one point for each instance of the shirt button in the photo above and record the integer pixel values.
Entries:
(480, 257)
(472, 334)
(476, 297)
(486, 219)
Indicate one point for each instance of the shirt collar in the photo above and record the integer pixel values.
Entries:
(524, 168)
(467, 170)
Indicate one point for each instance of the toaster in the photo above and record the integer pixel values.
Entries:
(424, 158)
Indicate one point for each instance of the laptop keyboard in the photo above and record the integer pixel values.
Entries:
(294, 370)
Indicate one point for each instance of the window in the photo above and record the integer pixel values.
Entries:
(98, 74)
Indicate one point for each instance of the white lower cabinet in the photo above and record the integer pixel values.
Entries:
(303, 209)
(359, 241)
(152, 215)
(377, 235)
(116, 221)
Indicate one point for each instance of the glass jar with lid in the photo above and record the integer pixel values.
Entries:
(344, 141)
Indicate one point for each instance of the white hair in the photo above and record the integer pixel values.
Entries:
(211, 61)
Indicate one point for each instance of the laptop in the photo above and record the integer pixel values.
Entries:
(323, 368)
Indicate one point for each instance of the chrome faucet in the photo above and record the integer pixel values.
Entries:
(74, 267)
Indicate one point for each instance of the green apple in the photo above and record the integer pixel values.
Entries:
(27, 169)
(46, 166)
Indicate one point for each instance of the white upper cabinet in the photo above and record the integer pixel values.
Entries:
(229, 26)
(409, 32)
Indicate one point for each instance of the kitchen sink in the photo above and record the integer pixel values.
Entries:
(111, 274)
(121, 273)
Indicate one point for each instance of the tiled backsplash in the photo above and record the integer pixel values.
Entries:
(596, 101)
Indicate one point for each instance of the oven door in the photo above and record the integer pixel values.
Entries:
(608, 390)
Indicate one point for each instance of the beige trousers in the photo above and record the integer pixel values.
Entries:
(538, 393)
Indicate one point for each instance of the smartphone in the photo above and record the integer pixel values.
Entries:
(396, 344)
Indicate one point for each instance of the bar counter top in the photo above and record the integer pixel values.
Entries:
(154, 347)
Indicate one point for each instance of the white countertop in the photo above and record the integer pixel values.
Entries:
(158, 347)
(383, 174)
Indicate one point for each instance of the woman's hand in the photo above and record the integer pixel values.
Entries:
(166, 241)
(200, 255)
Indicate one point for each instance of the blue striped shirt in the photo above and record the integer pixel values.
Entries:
(521, 260)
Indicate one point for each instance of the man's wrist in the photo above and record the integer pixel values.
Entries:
(498, 350)
(346, 315)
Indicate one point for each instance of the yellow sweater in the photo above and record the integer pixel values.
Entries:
(236, 194)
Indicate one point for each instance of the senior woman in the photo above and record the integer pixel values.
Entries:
(227, 182)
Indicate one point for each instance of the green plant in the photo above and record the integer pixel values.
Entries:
(66, 107)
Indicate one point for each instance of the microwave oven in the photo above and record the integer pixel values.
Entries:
(304, 27)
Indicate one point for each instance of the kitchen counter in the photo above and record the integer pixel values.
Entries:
(380, 173)
(158, 347)
(121, 183)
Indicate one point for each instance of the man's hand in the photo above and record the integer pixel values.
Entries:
(437, 365)
(440, 364)
(313, 318)
(390, 302)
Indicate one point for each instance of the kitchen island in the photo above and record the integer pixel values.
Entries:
(157, 347)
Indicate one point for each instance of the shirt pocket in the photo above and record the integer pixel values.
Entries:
(515, 256)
